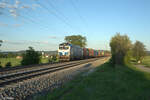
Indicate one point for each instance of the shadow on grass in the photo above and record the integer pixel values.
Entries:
(106, 83)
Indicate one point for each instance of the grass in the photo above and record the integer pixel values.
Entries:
(14, 61)
(17, 62)
(44, 60)
(106, 83)
(146, 61)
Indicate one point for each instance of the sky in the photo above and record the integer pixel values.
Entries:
(43, 24)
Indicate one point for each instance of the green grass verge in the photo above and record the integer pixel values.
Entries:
(44, 60)
(106, 83)
(17, 62)
(146, 61)
(14, 61)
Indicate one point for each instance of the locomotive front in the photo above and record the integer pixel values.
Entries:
(64, 52)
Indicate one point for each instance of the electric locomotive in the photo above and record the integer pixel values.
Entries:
(69, 52)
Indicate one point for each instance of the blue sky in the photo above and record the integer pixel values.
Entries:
(43, 24)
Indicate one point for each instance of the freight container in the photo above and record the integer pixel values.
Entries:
(91, 53)
(99, 53)
(85, 53)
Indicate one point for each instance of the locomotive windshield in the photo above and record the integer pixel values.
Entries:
(63, 47)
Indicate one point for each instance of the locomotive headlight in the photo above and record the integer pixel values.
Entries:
(60, 54)
(66, 53)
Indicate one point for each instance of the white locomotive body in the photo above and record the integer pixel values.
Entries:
(69, 52)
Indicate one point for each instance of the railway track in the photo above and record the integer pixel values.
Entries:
(28, 67)
(7, 79)
(31, 67)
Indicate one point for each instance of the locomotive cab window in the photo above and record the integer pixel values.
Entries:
(66, 47)
(63, 47)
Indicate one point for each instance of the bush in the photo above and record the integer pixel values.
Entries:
(139, 51)
(30, 57)
(8, 64)
(120, 45)
(128, 57)
(53, 59)
(50, 60)
(0, 65)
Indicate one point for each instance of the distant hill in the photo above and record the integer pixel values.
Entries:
(23, 51)
(50, 52)
(148, 52)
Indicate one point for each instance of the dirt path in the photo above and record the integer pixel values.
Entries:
(92, 66)
(143, 68)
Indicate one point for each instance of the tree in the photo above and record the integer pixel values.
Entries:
(1, 42)
(0, 50)
(120, 45)
(11, 55)
(8, 64)
(76, 40)
(30, 57)
(139, 51)
(0, 65)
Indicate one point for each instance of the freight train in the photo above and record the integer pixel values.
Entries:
(68, 52)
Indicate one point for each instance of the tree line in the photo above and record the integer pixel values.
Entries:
(33, 57)
(29, 57)
(123, 50)
(9, 55)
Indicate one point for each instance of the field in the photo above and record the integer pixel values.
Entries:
(17, 62)
(106, 83)
(14, 61)
(146, 61)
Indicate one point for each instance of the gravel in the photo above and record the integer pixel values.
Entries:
(27, 88)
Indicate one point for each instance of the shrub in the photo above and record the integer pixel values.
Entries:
(54, 58)
(8, 64)
(139, 51)
(120, 45)
(30, 57)
(50, 61)
(0, 65)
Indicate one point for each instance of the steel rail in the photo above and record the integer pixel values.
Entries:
(32, 69)
(6, 80)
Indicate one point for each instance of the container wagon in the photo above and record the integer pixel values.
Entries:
(99, 53)
(91, 53)
(85, 53)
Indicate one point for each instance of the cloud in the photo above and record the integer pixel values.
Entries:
(25, 42)
(3, 5)
(14, 15)
(17, 25)
(10, 45)
(12, 11)
(16, 6)
(25, 7)
(38, 42)
(12, 25)
(53, 37)
(34, 6)
(3, 24)
(12, 42)
(17, 2)
(44, 42)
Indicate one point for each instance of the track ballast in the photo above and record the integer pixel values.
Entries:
(7, 79)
